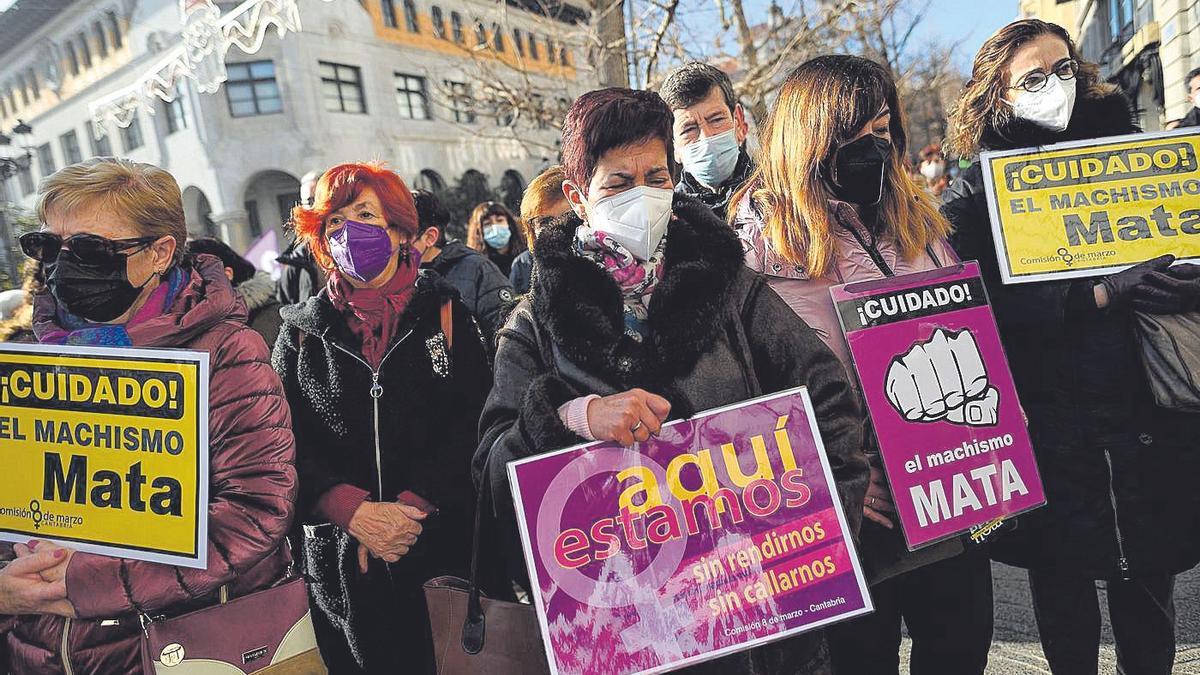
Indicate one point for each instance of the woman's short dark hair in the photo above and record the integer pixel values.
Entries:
(611, 118)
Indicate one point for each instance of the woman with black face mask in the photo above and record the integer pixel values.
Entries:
(111, 250)
(831, 203)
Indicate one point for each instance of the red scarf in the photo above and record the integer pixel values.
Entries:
(372, 314)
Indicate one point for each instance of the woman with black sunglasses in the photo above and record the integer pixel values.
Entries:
(1118, 470)
(111, 250)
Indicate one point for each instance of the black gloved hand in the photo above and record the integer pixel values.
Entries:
(1173, 291)
(1121, 286)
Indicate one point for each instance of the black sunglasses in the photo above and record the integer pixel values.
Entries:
(90, 249)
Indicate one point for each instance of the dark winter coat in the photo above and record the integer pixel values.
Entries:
(1119, 472)
(719, 335)
(484, 289)
(300, 276)
(262, 307)
(1191, 119)
(252, 492)
(422, 425)
(521, 275)
(718, 200)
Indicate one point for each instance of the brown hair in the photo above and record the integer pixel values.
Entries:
(823, 103)
(144, 193)
(981, 104)
(482, 212)
(543, 192)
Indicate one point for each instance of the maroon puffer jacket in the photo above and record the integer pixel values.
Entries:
(252, 491)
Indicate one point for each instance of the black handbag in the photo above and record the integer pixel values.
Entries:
(477, 635)
(1170, 352)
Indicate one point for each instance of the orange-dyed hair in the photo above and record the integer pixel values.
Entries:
(339, 187)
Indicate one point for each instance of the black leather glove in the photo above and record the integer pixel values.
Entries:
(1122, 286)
(1173, 291)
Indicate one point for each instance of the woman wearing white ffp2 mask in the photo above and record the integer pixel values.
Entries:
(1116, 509)
(608, 345)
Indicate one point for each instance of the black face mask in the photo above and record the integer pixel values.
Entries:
(97, 293)
(860, 170)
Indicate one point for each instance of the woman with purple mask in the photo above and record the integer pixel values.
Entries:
(386, 376)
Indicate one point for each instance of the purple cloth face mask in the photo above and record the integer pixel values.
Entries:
(360, 250)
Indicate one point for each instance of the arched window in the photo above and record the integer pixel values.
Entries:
(551, 54)
(34, 89)
(84, 50)
(389, 13)
(410, 16)
(114, 25)
(439, 22)
(562, 55)
(456, 26)
(480, 34)
(101, 39)
(519, 41)
(533, 46)
(497, 37)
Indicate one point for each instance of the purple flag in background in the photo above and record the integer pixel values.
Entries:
(942, 400)
(263, 252)
(722, 533)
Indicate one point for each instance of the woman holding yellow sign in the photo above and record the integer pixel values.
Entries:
(111, 245)
(1117, 468)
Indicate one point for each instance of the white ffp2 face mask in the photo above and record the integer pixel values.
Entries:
(637, 218)
(1051, 107)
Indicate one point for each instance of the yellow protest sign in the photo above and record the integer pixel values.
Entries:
(1087, 208)
(106, 450)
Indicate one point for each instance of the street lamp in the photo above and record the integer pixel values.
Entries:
(10, 165)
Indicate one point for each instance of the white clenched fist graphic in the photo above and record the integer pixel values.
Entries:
(943, 378)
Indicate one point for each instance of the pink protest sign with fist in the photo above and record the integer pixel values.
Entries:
(942, 401)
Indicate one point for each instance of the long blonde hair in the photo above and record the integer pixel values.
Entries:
(823, 103)
(981, 104)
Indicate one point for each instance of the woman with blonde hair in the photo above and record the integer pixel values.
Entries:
(494, 231)
(830, 203)
(111, 248)
(543, 202)
(1117, 469)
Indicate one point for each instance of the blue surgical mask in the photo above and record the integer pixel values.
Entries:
(497, 235)
(712, 160)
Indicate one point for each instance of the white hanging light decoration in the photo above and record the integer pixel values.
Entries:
(206, 36)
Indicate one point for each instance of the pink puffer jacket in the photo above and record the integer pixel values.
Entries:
(252, 491)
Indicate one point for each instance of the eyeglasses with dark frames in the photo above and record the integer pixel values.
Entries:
(91, 249)
(1036, 80)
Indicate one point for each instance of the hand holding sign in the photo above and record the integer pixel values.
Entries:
(943, 378)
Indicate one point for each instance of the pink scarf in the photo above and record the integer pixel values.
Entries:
(372, 314)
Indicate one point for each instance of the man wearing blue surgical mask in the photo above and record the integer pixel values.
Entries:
(710, 132)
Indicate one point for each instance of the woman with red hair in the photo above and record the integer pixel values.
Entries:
(386, 376)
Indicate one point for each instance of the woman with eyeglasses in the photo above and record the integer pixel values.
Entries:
(1118, 470)
(830, 203)
(111, 247)
(542, 203)
(493, 231)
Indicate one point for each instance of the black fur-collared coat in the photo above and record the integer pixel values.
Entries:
(1119, 472)
(718, 335)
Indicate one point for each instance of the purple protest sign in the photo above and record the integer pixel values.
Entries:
(723, 533)
(942, 400)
